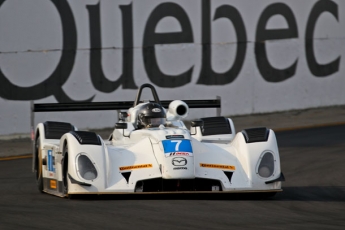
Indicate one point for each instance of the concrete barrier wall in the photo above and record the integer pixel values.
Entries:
(258, 55)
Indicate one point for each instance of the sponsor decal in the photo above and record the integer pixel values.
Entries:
(206, 15)
(174, 147)
(179, 168)
(179, 154)
(207, 75)
(216, 166)
(51, 162)
(52, 184)
(179, 161)
(156, 110)
(174, 137)
(131, 167)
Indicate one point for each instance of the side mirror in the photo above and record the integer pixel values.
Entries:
(123, 116)
(197, 123)
(121, 126)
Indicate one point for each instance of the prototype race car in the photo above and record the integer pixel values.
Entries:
(151, 150)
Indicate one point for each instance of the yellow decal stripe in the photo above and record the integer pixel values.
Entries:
(216, 166)
(135, 167)
(15, 157)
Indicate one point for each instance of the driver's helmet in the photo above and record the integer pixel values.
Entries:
(151, 115)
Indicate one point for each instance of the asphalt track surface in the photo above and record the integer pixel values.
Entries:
(313, 197)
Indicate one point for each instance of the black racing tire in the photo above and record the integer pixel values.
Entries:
(65, 170)
(38, 159)
(65, 173)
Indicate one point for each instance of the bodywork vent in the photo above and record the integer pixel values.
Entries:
(126, 175)
(228, 175)
(54, 129)
(256, 134)
(215, 126)
(86, 138)
(174, 185)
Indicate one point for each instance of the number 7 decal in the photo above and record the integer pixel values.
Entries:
(177, 145)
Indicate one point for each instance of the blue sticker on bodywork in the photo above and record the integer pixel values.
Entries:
(50, 161)
(177, 147)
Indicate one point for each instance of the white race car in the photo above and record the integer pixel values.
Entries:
(151, 150)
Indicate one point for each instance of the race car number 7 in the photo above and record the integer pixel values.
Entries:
(178, 142)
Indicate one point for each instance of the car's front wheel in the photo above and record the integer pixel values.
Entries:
(65, 173)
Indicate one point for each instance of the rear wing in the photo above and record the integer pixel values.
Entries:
(115, 105)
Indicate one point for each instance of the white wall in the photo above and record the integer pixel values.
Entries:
(31, 44)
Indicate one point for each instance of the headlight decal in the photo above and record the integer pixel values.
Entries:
(266, 164)
(86, 168)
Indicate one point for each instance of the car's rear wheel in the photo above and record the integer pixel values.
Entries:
(38, 159)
